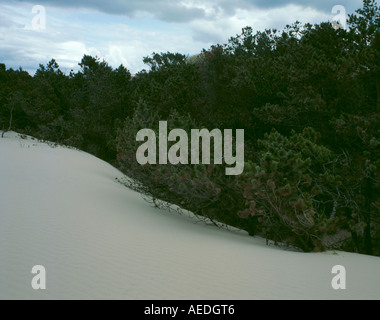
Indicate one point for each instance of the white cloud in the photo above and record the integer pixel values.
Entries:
(73, 31)
(69, 53)
(276, 18)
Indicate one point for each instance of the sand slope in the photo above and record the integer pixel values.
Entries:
(63, 209)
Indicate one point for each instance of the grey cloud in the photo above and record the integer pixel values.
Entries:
(178, 15)
(205, 36)
(323, 5)
(169, 11)
(173, 11)
(18, 47)
(16, 58)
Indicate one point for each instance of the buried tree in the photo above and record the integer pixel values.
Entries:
(14, 104)
(10, 122)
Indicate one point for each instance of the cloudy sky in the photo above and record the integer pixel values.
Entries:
(124, 31)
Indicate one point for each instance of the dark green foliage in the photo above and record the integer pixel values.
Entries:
(164, 60)
(202, 189)
(82, 109)
(290, 190)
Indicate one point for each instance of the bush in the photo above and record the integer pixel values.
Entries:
(203, 189)
(286, 194)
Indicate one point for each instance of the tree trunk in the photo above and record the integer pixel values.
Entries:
(354, 235)
(10, 123)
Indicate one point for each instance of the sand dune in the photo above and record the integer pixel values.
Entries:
(63, 209)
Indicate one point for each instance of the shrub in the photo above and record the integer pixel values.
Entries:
(203, 189)
(286, 190)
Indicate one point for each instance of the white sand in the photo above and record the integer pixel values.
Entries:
(62, 209)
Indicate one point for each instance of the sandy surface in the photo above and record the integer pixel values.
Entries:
(63, 209)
